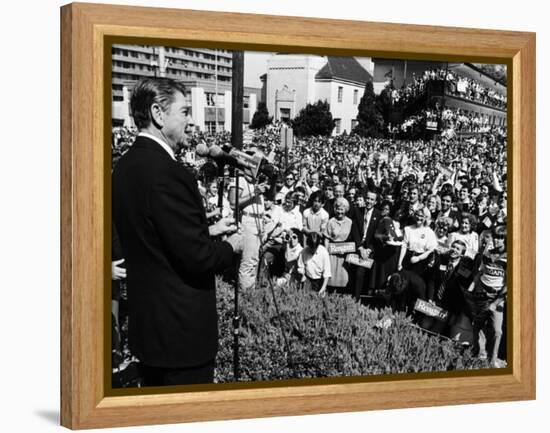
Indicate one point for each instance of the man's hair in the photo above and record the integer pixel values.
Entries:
(396, 283)
(461, 243)
(149, 91)
(317, 195)
(313, 240)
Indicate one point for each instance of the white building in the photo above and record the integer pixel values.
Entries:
(207, 73)
(293, 81)
(209, 112)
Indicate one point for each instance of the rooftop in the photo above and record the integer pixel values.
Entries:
(344, 68)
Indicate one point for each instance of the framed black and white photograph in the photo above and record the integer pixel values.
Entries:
(401, 164)
(297, 220)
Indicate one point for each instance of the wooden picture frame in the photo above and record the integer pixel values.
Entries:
(84, 224)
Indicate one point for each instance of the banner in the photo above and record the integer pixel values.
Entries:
(341, 247)
(431, 125)
(430, 309)
(445, 171)
(354, 259)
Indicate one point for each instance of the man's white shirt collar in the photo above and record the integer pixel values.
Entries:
(161, 142)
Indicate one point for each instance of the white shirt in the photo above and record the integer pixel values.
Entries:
(368, 216)
(315, 221)
(291, 219)
(420, 239)
(316, 265)
(162, 143)
(256, 206)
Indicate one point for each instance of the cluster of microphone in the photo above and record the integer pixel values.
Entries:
(253, 165)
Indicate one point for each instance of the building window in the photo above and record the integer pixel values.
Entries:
(211, 127)
(354, 123)
(340, 93)
(355, 96)
(338, 125)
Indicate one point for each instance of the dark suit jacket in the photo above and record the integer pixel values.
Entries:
(357, 228)
(452, 298)
(454, 215)
(170, 258)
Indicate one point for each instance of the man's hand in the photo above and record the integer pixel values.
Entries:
(414, 260)
(364, 252)
(236, 241)
(261, 188)
(222, 227)
(117, 272)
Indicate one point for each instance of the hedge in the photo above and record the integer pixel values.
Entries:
(326, 337)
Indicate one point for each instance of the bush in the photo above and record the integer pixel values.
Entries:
(327, 337)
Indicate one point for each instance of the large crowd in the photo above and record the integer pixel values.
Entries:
(385, 221)
(451, 121)
(456, 85)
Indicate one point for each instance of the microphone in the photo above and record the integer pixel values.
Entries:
(249, 164)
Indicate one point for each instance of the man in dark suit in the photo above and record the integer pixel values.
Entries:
(169, 255)
(364, 223)
(451, 274)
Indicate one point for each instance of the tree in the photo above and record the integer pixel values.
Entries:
(261, 117)
(384, 104)
(314, 119)
(370, 122)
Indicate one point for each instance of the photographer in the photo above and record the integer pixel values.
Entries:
(249, 194)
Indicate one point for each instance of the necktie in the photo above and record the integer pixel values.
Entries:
(444, 281)
(368, 214)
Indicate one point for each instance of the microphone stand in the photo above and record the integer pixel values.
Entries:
(236, 317)
(221, 187)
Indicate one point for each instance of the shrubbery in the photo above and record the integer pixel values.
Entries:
(332, 336)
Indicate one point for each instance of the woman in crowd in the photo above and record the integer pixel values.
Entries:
(338, 229)
(314, 264)
(388, 239)
(466, 234)
(292, 252)
(290, 216)
(442, 226)
(419, 243)
(433, 204)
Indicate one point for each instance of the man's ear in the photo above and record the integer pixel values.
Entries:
(157, 115)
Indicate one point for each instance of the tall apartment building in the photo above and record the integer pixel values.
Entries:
(207, 73)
